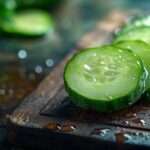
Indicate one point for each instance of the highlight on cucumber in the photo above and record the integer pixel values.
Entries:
(113, 77)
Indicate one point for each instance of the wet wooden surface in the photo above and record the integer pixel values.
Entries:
(48, 112)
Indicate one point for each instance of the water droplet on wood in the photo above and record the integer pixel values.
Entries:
(100, 131)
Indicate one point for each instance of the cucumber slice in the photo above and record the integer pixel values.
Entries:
(142, 21)
(142, 50)
(29, 23)
(105, 79)
(139, 33)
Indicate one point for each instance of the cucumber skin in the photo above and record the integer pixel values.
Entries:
(21, 35)
(108, 106)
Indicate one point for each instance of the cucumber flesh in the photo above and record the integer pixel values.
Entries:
(105, 78)
(139, 33)
(29, 22)
(141, 49)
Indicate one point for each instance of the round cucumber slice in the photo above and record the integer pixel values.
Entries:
(105, 79)
(133, 23)
(138, 33)
(29, 23)
(141, 49)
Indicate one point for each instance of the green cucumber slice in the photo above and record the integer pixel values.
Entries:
(141, 21)
(29, 23)
(105, 78)
(138, 33)
(141, 49)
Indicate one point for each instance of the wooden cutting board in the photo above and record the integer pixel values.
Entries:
(47, 118)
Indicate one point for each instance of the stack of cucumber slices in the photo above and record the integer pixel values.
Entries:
(115, 76)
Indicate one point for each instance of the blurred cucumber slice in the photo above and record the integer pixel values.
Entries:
(133, 23)
(29, 23)
(139, 33)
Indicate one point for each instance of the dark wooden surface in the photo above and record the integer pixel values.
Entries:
(53, 83)
(47, 115)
